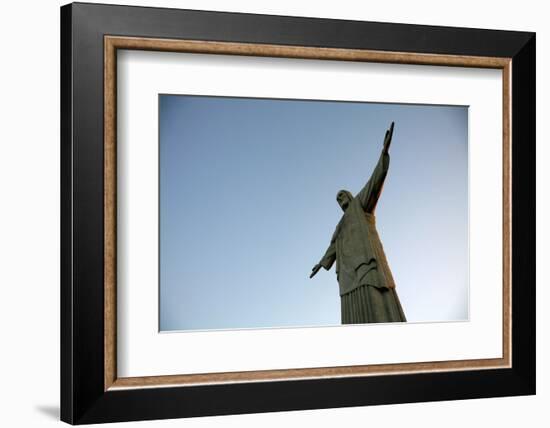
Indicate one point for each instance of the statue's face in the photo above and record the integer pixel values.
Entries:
(343, 199)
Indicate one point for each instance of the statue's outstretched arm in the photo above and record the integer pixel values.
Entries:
(326, 261)
(368, 196)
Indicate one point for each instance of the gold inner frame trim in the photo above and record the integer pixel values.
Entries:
(113, 43)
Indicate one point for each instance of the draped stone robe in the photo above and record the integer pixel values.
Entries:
(367, 287)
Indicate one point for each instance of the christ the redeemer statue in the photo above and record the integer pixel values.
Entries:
(367, 288)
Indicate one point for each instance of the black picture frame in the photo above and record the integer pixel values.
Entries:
(83, 396)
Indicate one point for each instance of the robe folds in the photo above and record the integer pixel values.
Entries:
(366, 284)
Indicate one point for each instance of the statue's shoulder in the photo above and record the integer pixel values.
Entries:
(355, 207)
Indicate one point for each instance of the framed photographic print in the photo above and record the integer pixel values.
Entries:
(265, 213)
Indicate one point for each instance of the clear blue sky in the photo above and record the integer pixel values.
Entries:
(248, 206)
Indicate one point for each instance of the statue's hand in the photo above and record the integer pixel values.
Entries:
(387, 138)
(315, 270)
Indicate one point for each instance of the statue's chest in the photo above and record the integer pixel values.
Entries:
(354, 231)
(354, 222)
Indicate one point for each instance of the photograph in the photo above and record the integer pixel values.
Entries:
(269, 213)
(298, 213)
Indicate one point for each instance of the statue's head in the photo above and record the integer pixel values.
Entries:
(343, 197)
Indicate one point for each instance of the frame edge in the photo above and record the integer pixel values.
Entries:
(524, 215)
(66, 260)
